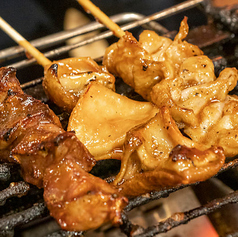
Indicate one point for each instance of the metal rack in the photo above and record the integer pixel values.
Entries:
(128, 21)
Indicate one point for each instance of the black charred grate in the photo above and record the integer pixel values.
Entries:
(22, 206)
(10, 222)
(15, 189)
(183, 218)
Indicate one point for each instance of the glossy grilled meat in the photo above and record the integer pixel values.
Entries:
(144, 63)
(113, 116)
(31, 134)
(185, 83)
(157, 156)
(65, 80)
(202, 107)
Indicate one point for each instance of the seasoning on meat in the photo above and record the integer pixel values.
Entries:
(161, 57)
(157, 156)
(185, 83)
(31, 134)
(101, 119)
(65, 80)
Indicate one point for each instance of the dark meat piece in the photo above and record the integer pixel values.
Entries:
(31, 134)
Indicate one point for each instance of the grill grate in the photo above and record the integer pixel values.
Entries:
(11, 183)
(183, 218)
(39, 210)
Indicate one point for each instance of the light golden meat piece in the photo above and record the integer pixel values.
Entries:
(196, 85)
(128, 60)
(65, 80)
(174, 52)
(199, 103)
(145, 63)
(31, 135)
(158, 156)
(102, 118)
(218, 125)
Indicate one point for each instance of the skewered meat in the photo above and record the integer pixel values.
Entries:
(77, 199)
(102, 118)
(218, 125)
(144, 63)
(128, 60)
(157, 155)
(202, 107)
(65, 80)
(187, 85)
(196, 86)
(30, 134)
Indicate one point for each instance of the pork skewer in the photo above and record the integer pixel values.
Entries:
(50, 158)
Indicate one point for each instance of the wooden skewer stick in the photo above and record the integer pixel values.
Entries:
(102, 17)
(40, 58)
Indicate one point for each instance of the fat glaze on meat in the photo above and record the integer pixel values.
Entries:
(31, 134)
(113, 115)
(144, 63)
(65, 80)
(157, 156)
(185, 83)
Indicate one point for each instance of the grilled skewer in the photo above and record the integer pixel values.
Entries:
(50, 158)
(64, 80)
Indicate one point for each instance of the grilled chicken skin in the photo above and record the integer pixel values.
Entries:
(176, 74)
(65, 80)
(158, 156)
(144, 63)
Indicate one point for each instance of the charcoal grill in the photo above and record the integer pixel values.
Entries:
(23, 212)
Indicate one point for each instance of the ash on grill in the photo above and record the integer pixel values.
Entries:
(23, 212)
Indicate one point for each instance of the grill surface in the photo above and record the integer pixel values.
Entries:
(23, 211)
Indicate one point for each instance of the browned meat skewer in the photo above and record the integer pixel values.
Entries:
(31, 134)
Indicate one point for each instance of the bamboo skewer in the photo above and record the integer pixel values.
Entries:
(89, 7)
(40, 58)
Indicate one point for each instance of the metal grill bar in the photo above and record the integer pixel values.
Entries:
(57, 38)
(158, 16)
(15, 189)
(23, 217)
(183, 218)
(9, 172)
(5, 172)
